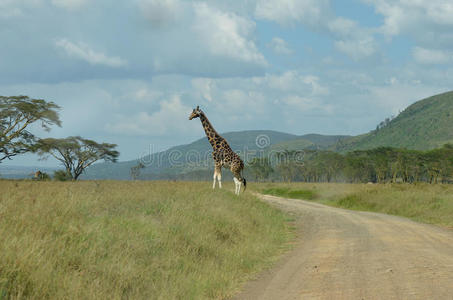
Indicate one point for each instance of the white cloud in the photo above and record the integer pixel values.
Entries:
(15, 8)
(292, 81)
(84, 52)
(432, 56)
(342, 26)
(204, 86)
(69, 4)
(171, 118)
(350, 39)
(198, 38)
(357, 49)
(226, 34)
(428, 22)
(279, 46)
(144, 95)
(303, 104)
(289, 12)
(161, 12)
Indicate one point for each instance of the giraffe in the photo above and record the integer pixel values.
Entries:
(222, 154)
(38, 175)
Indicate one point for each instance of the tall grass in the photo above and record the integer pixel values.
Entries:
(421, 202)
(135, 240)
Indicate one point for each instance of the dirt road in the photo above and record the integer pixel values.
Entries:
(345, 254)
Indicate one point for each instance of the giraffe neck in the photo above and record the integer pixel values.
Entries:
(211, 134)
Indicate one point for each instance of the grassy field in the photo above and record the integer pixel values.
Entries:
(132, 240)
(421, 202)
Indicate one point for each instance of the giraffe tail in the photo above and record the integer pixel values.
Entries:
(244, 182)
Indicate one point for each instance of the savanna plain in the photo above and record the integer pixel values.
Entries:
(132, 240)
(167, 240)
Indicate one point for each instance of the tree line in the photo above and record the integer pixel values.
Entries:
(380, 165)
(18, 114)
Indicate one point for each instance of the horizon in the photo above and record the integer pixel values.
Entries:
(130, 73)
(51, 166)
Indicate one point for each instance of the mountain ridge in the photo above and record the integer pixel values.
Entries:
(197, 155)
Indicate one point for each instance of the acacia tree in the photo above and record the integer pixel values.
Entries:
(76, 153)
(17, 113)
(135, 170)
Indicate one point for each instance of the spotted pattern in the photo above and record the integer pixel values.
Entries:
(222, 153)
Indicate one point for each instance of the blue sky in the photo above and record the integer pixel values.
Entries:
(129, 72)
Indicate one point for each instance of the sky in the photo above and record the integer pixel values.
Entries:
(130, 72)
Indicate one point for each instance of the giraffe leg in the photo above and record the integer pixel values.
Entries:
(217, 175)
(237, 178)
(219, 178)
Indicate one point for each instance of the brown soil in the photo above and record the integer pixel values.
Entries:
(344, 254)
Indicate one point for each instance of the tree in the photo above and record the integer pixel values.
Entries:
(260, 167)
(76, 153)
(358, 167)
(380, 159)
(135, 170)
(17, 113)
(289, 164)
(447, 163)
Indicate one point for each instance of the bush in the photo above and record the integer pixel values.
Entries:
(61, 175)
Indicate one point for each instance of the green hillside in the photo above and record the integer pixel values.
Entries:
(426, 124)
(309, 141)
(297, 144)
(324, 141)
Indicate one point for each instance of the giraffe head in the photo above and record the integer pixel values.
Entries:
(195, 113)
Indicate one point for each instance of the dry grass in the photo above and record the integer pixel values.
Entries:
(421, 202)
(135, 240)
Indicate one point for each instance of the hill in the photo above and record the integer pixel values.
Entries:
(196, 156)
(309, 141)
(424, 125)
(193, 156)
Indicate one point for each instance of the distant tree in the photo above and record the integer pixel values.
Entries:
(135, 170)
(447, 163)
(289, 164)
(17, 113)
(380, 159)
(358, 167)
(260, 167)
(329, 165)
(76, 153)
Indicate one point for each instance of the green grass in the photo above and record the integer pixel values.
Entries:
(421, 202)
(133, 240)
(290, 193)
